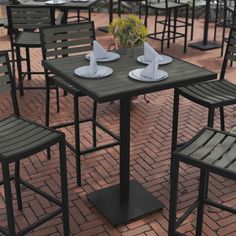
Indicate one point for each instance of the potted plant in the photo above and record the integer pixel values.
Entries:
(128, 32)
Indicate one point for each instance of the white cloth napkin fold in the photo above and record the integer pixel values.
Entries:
(98, 51)
(152, 69)
(150, 53)
(93, 67)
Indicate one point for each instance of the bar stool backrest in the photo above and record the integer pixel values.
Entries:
(67, 40)
(7, 83)
(230, 53)
(28, 18)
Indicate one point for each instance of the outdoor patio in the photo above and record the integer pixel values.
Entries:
(150, 154)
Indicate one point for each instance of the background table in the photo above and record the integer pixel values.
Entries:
(205, 44)
(127, 200)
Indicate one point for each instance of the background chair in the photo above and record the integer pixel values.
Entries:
(211, 151)
(19, 139)
(24, 21)
(212, 94)
(170, 24)
(66, 41)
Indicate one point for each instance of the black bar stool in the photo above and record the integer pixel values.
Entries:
(19, 139)
(211, 151)
(170, 24)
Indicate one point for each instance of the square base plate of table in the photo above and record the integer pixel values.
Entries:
(141, 202)
(204, 47)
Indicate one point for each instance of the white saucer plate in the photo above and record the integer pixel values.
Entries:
(55, 2)
(164, 60)
(112, 56)
(80, 1)
(103, 71)
(136, 74)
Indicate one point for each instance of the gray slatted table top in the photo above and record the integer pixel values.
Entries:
(69, 3)
(119, 85)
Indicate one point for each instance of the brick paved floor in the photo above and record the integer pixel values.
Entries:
(150, 157)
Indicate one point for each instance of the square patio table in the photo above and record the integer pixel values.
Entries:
(127, 200)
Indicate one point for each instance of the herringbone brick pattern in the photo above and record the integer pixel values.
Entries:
(150, 156)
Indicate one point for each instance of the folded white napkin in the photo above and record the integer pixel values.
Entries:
(152, 69)
(150, 52)
(98, 51)
(93, 67)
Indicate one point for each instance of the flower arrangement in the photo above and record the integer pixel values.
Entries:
(128, 31)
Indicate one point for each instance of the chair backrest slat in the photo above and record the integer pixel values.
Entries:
(30, 17)
(67, 40)
(230, 53)
(7, 82)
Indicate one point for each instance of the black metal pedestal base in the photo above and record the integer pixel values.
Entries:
(204, 47)
(141, 202)
(103, 29)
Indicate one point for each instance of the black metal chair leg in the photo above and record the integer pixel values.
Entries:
(222, 119)
(164, 31)
(175, 121)
(211, 113)
(64, 188)
(155, 26)
(146, 13)
(19, 68)
(119, 8)
(174, 175)
(17, 185)
(186, 30)
(47, 111)
(140, 9)
(94, 124)
(223, 33)
(201, 197)
(169, 23)
(27, 50)
(175, 23)
(193, 18)
(77, 140)
(8, 199)
(58, 99)
(216, 19)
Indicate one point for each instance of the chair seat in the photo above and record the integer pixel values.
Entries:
(20, 138)
(162, 5)
(28, 39)
(66, 86)
(214, 93)
(213, 150)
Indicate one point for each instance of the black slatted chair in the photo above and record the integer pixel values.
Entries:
(212, 94)
(170, 24)
(211, 151)
(67, 41)
(24, 22)
(19, 139)
(228, 21)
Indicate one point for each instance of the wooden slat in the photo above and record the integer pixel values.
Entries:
(220, 150)
(227, 158)
(208, 147)
(201, 140)
(232, 167)
(232, 49)
(68, 28)
(66, 36)
(68, 51)
(85, 42)
(31, 21)
(5, 88)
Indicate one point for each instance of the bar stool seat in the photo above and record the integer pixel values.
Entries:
(28, 39)
(211, 151)
(162, 5)
(214, 93)
(19, 137)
